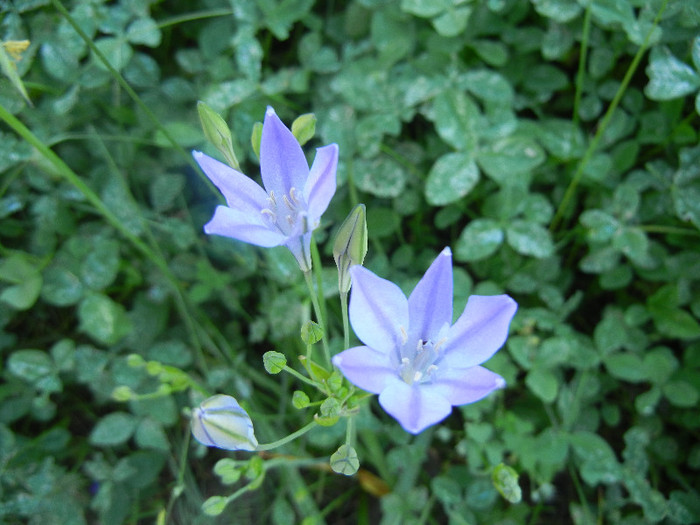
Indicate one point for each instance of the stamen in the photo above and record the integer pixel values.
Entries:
(288, 203)
(269, 214)
(421, 346)
(293, 195)
(404, 336)
(272, 199)
(290, 220)
(417, 376)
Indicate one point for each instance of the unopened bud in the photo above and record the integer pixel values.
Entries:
(274, 362)
(218, 133)
(350, 245)
(304, 128)
(221, 422)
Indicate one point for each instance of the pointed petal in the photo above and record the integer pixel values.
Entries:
(378, 311)
(430, 303)
(465, 385)
(413, 406)
(244, 227)
(321, 184)
(241, 192)
(479, 332)
(282, 162)
(366, 368)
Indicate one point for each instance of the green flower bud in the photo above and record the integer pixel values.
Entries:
(274, 362)
(300, 399)
(122, 393)
(311, 332)
(304, 128)
(218, 133)
(505, 479)
(345, 460)
(221, 422)
(256, 137)
(330, 407)
(350, 245)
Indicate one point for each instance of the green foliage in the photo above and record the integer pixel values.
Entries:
(552, 144)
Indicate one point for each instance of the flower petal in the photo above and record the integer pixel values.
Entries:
(300, 246)
(321, 184)
(282, 162)
(430, 303)
(413, 406)
(366, 368)
(241, 192)
(465, 385)
(479, 332)
(244, 227)
(221, 422)
(378, 311)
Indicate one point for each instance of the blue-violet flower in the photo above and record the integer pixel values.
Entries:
(418, 362)
(290, 205)
(221, 422)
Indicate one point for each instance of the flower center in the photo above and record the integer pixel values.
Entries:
(417, 366)
(286, 214)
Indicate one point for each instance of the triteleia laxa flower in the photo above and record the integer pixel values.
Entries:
(221, 422)
(290, 205)
(419, 363)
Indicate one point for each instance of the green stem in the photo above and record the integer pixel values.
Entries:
(346, 324)
(301, 377)
(290, 437)
(582, 63)
(350, 432)
(319, 315)
(593, 146)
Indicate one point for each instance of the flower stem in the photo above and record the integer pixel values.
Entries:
(319, 315)
(350, 432)
(346, 324)
(301, 377)
(290, 437)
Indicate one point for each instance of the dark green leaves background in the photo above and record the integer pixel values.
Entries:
(551, 143)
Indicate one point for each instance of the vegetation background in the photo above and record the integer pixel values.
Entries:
(552, 144)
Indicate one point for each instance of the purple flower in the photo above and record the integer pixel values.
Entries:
(418, 362)
(289, 207)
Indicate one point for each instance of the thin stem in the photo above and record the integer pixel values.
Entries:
(319, 315)
(291, 437)
(582, 63)
(346, 324)
(301, 377)
(593, 146)
(350, 432)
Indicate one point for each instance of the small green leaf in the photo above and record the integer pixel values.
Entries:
(598, 461)
(311, 332)
(99, 268)
(113, 429)
(529, 238)
(228, 470)
(456, 118)
(479, 239)
(103, 319)
(345, 460)
(452, 177)
(30, 365)
(117, 51)
(543, 383)
(511, 160)
(669, 78)
(681, 393)
(601, 225)
(626, 366)
(214, 505)
(144, 31)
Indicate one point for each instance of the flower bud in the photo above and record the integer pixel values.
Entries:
(350, 245)
(274, 362)
(218, 133)
(304, 128)
(221, 422)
